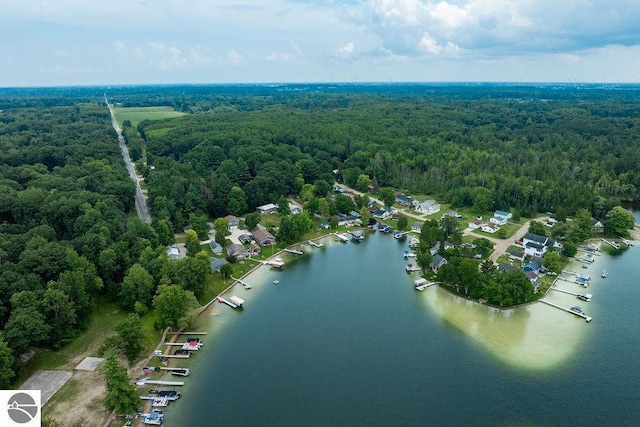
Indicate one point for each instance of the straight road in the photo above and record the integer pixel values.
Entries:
(141, 202)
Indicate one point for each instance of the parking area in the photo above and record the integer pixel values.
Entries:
(48, 382)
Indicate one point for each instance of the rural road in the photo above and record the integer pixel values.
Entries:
(141, 202)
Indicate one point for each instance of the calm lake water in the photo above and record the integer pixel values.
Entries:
(345, 340)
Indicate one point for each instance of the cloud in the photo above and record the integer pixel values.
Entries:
(499, 27)
(345, 51)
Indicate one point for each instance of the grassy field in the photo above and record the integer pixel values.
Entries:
(137, 114)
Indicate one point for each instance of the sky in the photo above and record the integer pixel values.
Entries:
(109, 42)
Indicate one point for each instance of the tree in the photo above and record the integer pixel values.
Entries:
(551, 261)
(387, 196)
(137, 285)
(365, 216)
(344, 204)
(192, 242)
(283, 206)
(7, 362)
(60, 314)
(333, 222)
(221, 227)
(130, 331)
(174, 306)
(321, 188)
(252, 220)
(538, 228)
(482, 200)
(363, 182)
(580, 227)
(226, 270)
(122, 396)
(403, 222)
(620, 221)
(26, 327)
(423, 258)
(199, 225)
(569, 249)
(237, 201)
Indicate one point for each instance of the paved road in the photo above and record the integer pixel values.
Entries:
(141, 202)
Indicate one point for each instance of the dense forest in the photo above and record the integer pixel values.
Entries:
(69, 237)
(526, 149)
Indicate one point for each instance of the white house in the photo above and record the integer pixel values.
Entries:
(428, 206)
(499, 220)
(490, 228)
(267, 209)
(476, 224)
(504, 214)
(536, 245)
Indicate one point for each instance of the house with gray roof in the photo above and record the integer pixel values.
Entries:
(237, 252)
(437, 262)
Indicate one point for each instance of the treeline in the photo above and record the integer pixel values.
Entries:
(527, 154)
(68, 232)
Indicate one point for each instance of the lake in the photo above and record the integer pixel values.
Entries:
(345, 340)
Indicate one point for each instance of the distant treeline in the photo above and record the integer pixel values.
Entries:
(530, 149)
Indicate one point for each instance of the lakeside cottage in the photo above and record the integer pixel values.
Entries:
(536, 245)
(237, 252)
(233, 222)
(437, 262)
(263, 237)
(217, 263)
(216, 248)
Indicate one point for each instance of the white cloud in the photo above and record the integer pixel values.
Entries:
(346, 50)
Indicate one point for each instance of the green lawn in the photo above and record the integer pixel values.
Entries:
(137, 114)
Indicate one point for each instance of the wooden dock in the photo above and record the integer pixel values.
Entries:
(169, 383)
(584, 316)
(175, 356)
(626, 241)
(294, 252)
(242, 282)
(614, 245)
(187, 333)
(314, 244)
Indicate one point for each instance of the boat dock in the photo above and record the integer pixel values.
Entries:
(242, 282)
(398, 235)
(408, 254)
(294, 252)
(169, 383)
(175, 356)
(314, 244)
(412, 267)
(614, 245)
(584, 316)
(165, 368)
(422, 284)
(626, 241)
(356, 235)
(233, 302)
(187, 333)
(341, 238)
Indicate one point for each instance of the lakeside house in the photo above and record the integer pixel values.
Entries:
(417, 226)
(536, 245)
(597, 227)
(437, 262)
(237, 252)
(254, 249)
(267, 209)
(216, 247)
(217, 263)
(233, 222)
(263, 237)
(427, 207)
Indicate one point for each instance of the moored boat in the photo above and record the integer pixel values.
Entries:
(604, 274)
(584, 297)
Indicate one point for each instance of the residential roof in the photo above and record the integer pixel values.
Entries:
(502, 213)
(537, 246)
(236, 249)
(231, 218)
(536, 238)
(437, 261)
(214, 245)
(216, 263)
(261, 235)
(505, 268)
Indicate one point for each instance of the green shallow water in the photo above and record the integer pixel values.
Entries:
(344, 339)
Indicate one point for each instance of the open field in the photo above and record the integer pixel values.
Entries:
(137, 114)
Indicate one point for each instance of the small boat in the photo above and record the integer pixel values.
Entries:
(584, 297)
(182, 372)
(276, 282)
(154, 418)
(160, 402)
(576, 309)
(604, 274)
